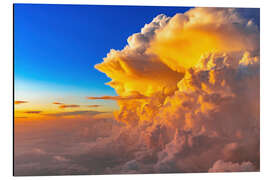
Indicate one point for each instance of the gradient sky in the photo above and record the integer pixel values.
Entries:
(57, 46)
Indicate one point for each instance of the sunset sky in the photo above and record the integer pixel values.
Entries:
(56, 48)
(133, 89)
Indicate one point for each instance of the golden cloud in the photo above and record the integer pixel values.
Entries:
(57, 103)
(20, 102)
(33, 112)
(69, 106)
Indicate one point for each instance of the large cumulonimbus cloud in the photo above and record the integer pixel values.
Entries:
(200, 73)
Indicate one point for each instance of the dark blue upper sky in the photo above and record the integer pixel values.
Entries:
(60, 44)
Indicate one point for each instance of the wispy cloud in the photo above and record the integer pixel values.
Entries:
(57, 103)
(73, 113)
(69, 106)
(33, 112)
(20, 102)
(93, 105)
(116, 98)
(21, 117)
(63, 106)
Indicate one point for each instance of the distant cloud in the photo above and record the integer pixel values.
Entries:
(21, 117)
(20, 102)
(33, 112)
(57, 103)
(138, 96)
(63, 106)
(69, 106)
(93, 105)
(73, 113)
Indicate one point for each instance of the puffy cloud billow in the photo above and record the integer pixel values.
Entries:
(199, 75)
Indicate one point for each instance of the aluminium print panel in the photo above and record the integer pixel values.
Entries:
(135, 89)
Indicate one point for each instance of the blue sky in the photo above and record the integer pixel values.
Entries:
(57, 46)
